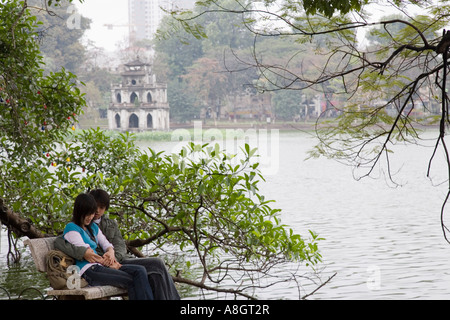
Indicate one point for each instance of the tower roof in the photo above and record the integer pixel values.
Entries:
(136, 63)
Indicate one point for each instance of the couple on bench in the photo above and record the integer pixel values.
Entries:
(95, 242)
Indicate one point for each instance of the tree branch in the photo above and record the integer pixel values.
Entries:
(21, 227)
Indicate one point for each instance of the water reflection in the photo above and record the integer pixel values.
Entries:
(22, 280)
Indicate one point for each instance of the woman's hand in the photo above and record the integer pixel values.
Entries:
(108, 259)
(92, 257)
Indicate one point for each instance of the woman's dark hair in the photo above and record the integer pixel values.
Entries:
(84, 205)
(102, 198)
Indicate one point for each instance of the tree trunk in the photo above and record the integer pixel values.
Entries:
(20, 226)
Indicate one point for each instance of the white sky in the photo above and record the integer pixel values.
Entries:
(105, 12)
(115, 12)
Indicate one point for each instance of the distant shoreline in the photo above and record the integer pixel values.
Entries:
(248, 125)
(192, 128)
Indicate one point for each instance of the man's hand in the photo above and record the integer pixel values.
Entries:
(109, 258)
(115, 265)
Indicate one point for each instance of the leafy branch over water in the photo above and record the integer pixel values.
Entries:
(201, 205)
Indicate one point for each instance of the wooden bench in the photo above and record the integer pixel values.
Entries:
(39, 249)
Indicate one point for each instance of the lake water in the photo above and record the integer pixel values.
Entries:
(382, 242)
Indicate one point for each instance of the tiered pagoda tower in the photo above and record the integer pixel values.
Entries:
(139, 103)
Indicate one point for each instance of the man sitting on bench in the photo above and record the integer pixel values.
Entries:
(159, 278)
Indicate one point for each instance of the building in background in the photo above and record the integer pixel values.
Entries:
(144, 16)
(139, 102)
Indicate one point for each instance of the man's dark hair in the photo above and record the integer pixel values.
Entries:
(102, 197)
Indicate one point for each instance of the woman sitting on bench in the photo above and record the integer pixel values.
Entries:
(103, 270)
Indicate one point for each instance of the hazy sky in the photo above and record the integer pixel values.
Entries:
(105, 12)
(115, 12)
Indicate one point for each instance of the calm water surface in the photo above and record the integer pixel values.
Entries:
(383, 242)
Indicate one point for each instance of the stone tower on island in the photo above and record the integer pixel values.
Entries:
(139, 103)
